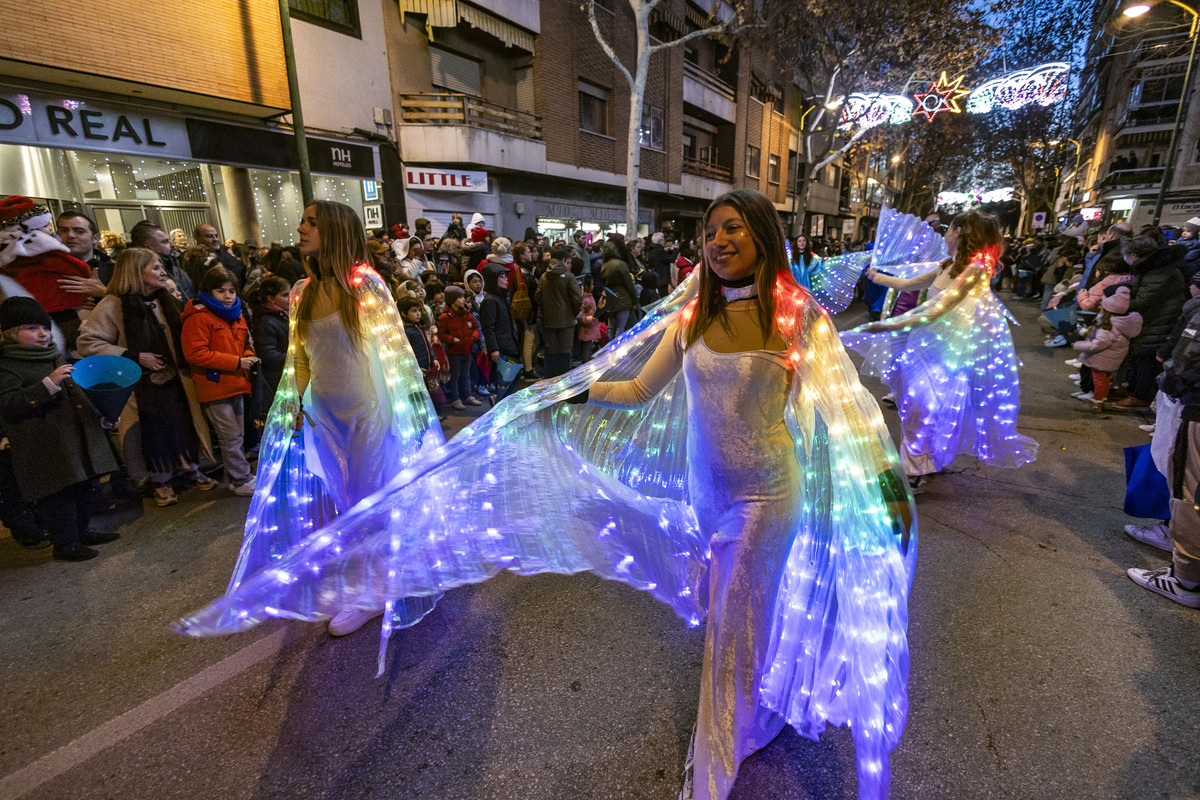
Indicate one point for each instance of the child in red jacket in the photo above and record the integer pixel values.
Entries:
(216, 344)
(458, 332)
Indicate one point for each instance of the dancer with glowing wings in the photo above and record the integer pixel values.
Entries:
(950, 361)
(351, 409)
(902, 243)
(727, 460)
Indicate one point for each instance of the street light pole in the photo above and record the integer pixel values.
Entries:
(1169, 167)
(289, 58)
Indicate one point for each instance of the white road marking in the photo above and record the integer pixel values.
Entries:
(50, 766)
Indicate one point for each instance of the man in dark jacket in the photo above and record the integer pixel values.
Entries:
(659, 261)
(1158, 297)
(206, 236)
(1179, 580)
(148, 235)
(559, 301)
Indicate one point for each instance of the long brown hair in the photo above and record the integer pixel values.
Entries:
(762, 222)
(976, 233)
(343, 248)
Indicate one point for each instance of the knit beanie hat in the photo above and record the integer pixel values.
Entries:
(453, 293)
(17, 311)
(1192, 226)
(1118, 303)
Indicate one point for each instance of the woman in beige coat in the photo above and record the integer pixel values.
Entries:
(162, 429)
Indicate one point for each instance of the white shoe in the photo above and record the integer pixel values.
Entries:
(1082, 395)
(352, 619)
(245, 489)
(472, 400)
(1164, 582)
(1156, 535)
(1073, 362)
(457, 405)
(1147, 428)
(1076, 377)
(1057, 341)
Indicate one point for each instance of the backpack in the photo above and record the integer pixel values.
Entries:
(522, 303)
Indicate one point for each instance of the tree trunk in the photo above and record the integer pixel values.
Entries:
(637, 98)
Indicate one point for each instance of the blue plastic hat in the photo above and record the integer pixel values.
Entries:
(108, 382)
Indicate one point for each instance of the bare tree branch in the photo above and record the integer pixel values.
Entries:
(605, 46)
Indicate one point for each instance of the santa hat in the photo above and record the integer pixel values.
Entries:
(478, 234)
(21, 230)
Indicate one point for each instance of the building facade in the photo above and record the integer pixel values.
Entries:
(1129, 101)
(179, 112)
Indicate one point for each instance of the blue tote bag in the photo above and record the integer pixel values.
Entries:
(1146, 490)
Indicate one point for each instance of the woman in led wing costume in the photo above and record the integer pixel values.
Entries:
(351, 410)
(902, 243)
(950, 361)
(737, 406)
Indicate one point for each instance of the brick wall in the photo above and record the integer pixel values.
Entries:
(223, 48)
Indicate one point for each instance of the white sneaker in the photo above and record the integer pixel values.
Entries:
(472, 400)
(245, 489)
(1057, 341)
(1164, 582)
(1076, 377)
(1147, 428)
(352, 619)
(1073, 362)
(1082, 395)
(1156, 535)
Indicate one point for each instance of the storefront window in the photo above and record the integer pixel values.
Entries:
(112, 176)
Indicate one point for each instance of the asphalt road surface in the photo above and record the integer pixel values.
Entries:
(1038, 669)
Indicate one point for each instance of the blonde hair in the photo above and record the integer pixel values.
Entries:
(343, 248)
(127, 272)
(501, 246)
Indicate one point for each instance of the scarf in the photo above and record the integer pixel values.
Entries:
(144, 333)
(225, 313)
(33, 352)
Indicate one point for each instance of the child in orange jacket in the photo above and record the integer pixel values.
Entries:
(217, 346)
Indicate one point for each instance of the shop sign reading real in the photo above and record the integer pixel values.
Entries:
(85, 125)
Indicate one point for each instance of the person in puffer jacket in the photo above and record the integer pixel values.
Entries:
(1108, 344)
(217, 346)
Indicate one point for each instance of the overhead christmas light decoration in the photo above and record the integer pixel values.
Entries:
(976, 196)
(875, 108)
(1044, 85)
(943, 95)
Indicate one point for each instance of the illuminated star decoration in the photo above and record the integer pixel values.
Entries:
(942, 96)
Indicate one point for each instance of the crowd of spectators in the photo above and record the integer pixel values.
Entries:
(208, 323)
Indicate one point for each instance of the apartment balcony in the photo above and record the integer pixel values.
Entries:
(1153, 50)
(704, 169)
(708, 92)
(1140, 178)
(447, 128)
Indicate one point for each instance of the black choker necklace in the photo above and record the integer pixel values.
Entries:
(734, 284)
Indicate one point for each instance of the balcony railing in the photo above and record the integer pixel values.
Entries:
(1160, 48)
(1149, 114)
(703, 169)
(1125, 178)
(445, 108)
(708, 80)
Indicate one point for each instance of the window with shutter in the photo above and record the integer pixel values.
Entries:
(453, 73)
(524, 77)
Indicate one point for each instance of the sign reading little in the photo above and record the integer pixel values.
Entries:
(443, 180)
(79, 125)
